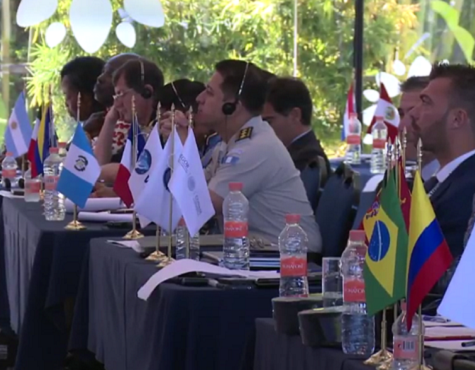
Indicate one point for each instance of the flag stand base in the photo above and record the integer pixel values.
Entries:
(386, 365)
(133, 234)
(379, 358)
(75, 225)
(421, 367)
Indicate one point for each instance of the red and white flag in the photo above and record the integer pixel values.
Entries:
(386, 109)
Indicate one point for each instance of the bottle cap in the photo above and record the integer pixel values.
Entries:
(62, 144)
(235, 186)
(53, 150)
(353, 115)
(181, 222)
(357, 235)
(9, 154)
(292, 219)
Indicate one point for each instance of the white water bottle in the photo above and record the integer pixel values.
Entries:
(9, 171)
(55, 209)
(181, 239)
(293, 246)
(379, 132)
(32, 187)
(236, 241)
(357, 328)
(353, 139)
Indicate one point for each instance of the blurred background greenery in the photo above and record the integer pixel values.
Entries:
(198, 33)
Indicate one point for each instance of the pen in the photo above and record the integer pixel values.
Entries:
(469, 344)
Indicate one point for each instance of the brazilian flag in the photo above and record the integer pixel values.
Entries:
(386, 258)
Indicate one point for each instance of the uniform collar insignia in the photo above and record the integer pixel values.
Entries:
(245, 133)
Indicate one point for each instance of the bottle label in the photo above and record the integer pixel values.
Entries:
(8, 173)
(293, 266)
(379, 144)
(354, 291)
(51, 182)
(353, 139)
(32, 187)
(235, 229)
(406, 348)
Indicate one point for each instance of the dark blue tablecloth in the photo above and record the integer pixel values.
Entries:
(43, 264)
(179, 327)
(363, 169)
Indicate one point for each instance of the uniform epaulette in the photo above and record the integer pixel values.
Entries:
(245, 133)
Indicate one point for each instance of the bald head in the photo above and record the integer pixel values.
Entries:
(104, 89)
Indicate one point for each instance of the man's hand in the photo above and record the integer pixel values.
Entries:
(103, 191)
(94, 123)
(181, 125)
(112, 116)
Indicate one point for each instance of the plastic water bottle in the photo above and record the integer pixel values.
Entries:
(32, 187)
(379, 132)
(55, 209)
(357, 328)
(353, 139)
(293, 245)
(194, 243)
(236, 241)
(9, 171)
(62, 150)
(406, 343)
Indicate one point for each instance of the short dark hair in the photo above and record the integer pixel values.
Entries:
(132, 73)
(462, 78)
(287, 93)
(253, 92)
(182, 93)
(268, 76)
(415, 83)
(82, 73)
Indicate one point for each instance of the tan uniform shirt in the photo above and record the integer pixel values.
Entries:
(256, 157)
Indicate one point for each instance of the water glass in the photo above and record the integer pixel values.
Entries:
(331, 282)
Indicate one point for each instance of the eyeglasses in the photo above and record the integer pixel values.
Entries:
(121, 94)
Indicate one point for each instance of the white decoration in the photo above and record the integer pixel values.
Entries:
(419, 67)
(125, 32)
(371, 95)
(31, 13)
(55, 33)
(368, 139)
(391, 83)
(368, 114)
(91, 21)
(147, 12)
(399, 68)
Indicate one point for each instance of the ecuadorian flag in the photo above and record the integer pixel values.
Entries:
(429, 255)
(386, 258)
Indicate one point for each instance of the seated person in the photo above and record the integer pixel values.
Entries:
(288, 109)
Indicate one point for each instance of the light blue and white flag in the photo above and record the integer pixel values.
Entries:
(80, 170)
(19, 130)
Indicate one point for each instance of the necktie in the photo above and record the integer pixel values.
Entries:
(430, 184)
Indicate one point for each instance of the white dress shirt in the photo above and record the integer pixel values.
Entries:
(300, 136)
(450, 167)
(430, 169)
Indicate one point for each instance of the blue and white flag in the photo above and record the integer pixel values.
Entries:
(19, 130)
(80, 170)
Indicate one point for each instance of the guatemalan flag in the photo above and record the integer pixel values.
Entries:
(41, 140)
(121, 185)
(18, 133)
(350, 108)
(80, 170)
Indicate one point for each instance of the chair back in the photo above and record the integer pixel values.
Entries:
(311, 181)
(336, 210)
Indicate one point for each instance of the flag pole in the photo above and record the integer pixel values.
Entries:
(158, 229)
(75, 224)
(134, 233)
(188, 236)
(171, 165)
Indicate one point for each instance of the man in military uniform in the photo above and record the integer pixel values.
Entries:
(250, 153)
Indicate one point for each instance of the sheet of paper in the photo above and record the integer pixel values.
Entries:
(132, 244)
(104, 217)
(448, 331)
(8, 194)
(181, 267)
(429, 324)
(97, 204)
(372, 183)
(451, 345)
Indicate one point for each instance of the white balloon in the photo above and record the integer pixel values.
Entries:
(30, 13)
(55, 33)
(91, 21)
(391, 83)
(368, 114)
(125, 32)
(371, 95)
(147, 12)
(419, 67)
(368, 139)
(399, 68)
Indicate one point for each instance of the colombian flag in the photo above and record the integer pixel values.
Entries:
(429, 255)
(385, 264)
(40, 142)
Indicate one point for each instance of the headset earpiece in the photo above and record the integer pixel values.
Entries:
(230, 107)
(146, 93)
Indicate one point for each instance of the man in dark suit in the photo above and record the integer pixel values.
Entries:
(288, 110)
(444, 120)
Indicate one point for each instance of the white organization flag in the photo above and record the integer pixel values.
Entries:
(155, 199)
(189, 188)
(145, 166)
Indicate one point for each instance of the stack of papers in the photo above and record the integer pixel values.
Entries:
(105, 217)
(97, 204)
(449, 337)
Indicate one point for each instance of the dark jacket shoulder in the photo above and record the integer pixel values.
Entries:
(306, 148)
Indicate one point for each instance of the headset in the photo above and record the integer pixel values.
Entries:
(144, 91)
(229, 108)
(178, 95)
